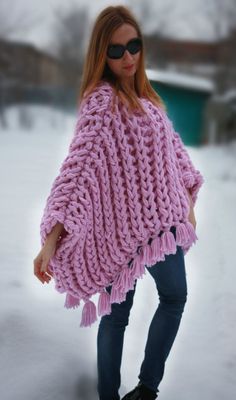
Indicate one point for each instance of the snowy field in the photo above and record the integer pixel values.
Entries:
(44, 354)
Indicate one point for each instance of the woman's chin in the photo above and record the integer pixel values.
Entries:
(129, 73)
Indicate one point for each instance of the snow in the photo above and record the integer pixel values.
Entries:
(189, 81)
(227, 96)
(44, 354)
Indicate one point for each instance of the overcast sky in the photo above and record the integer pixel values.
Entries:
(186, 19)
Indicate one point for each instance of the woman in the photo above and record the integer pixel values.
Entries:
(124, 197)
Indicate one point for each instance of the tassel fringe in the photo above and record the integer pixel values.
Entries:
(157, 251)
(88, 314)
(104, 305)
(116, 296)
(147, 255)
(137, 267)
(168, 243)
(125, 280)
(182, 235)
(71, 301)
(191, 231)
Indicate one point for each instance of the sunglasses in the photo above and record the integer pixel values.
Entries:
(116, 51)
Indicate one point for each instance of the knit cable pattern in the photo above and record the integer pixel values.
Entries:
(120, 189)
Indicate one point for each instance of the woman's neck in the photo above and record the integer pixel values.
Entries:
(128, 82)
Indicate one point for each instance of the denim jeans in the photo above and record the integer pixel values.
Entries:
(171, 285)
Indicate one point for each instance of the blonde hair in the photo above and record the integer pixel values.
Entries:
(95, 68)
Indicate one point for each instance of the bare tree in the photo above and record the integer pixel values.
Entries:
(225, 75)
(147, 10)
(154, 18)
(69, 30)
(12, 22)
(221, 108)
(15, 21)
(222, 16)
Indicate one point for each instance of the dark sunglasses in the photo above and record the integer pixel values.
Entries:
(116, 51)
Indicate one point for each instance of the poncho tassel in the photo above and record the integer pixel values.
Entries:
(124, 281)
(147, 256)
(138, 267)
(116, 295)
(158, 254)
(168, 243)
(192, 234)
(88, 314)
(182, 235)
(104, 304)
(71, 301)
(186, 248)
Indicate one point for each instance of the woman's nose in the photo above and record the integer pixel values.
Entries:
(127, 55)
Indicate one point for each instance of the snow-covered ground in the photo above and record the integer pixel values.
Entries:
(44, 354)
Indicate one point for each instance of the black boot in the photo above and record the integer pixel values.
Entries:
(140, 392)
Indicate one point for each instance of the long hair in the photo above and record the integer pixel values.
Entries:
(96, 69)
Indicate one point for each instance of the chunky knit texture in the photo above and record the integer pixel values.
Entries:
(122, 183)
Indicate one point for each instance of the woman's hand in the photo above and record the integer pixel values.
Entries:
(41, 262)
(46, 253)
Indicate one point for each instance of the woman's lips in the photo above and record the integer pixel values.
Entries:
(129, 66)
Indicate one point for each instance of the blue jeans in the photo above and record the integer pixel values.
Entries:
(171, 284)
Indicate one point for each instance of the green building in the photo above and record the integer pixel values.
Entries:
(185, 97)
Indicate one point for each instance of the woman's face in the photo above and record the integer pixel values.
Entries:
(123, 35)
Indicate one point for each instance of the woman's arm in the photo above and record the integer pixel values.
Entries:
(190, 198)
(57, 231)
(191, 215)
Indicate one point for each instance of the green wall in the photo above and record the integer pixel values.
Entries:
(185, 109)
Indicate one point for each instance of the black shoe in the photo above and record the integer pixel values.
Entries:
(140, 392)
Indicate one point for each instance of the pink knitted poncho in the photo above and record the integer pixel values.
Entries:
(123, 182)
